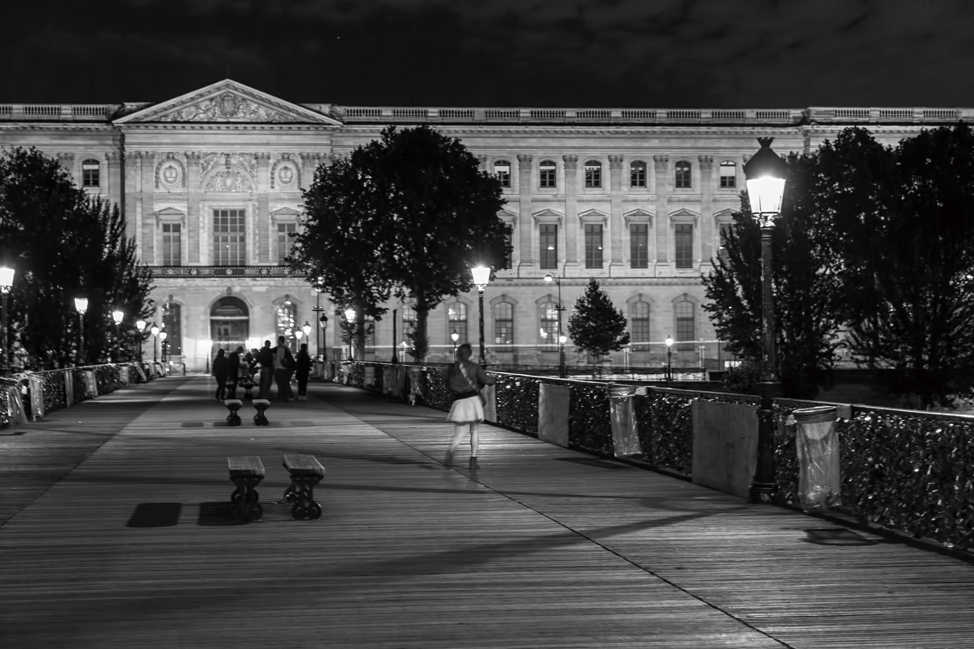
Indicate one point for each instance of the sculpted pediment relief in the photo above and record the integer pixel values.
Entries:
(227, 101)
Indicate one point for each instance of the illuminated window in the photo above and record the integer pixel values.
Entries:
(548, 331)
(548, 235)
(171, 244)
(639, 322)
(503, 323)
(228, 238)
(728, 174)
(457, 314)
(172, 325)
(285, 236)
(639, 245)
(684, 324)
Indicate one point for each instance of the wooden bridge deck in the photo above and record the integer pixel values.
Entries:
(542, 547)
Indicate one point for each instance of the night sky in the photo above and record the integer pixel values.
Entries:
(571, 53)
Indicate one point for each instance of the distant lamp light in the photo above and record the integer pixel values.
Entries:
(81, 304)
(117, 316)
(140, 325)
(154, 330)
(350, 314)
(6, 278)
(669, 341)
(306, 328)
(162, 336)
(455, 336)
(481, 276)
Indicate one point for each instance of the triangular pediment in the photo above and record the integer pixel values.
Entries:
(227, 102)
(638, 213)
(285, 213)
(547, 213)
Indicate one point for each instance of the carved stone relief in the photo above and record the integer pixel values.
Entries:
(227, 107)
(170, 173)
(229, 180)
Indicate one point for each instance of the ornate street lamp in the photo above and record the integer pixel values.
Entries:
(561, 337)
(669, 358)
(81, 305)
(481, 277)
(117, 316)
(765, 173)
(140, 325)
(350, 319)
(455, 337)
(6, 283)
(323, 321)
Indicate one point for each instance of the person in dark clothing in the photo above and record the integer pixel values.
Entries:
(233, 371)
(265, 358)
(283, 364)
(220, 373)
(303, 369)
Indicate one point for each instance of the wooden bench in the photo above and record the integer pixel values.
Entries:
(261, 405)
(233, 405)
(306, 471)
(246, 472)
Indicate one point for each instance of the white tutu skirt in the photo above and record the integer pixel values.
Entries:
(466, 411)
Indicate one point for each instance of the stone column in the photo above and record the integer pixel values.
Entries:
(525, 222)
(115, 188)
(616, 225)
(131, 197)
(194, 232)
(571, 211)
(662, 163)
(703, 248)
(263, 233)
(147, 176)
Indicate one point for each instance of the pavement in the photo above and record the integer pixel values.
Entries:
(115, 531)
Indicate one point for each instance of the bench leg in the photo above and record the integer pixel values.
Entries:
(260, 418)
(301, 493)
(245, 499)
(233, 419)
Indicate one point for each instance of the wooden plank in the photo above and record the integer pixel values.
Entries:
(245, 465)
(302, 464)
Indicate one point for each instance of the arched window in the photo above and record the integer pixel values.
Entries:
(171, 325)
(286, 316)
(593, 173)
(683, 174)
(685, 330)
(639, 322)
(369, 334)
(548, 332)
(547, 172)
(637, 174)
(90, 173)
(728, 174)
(503, 323)
(502, 170)
(457, 313)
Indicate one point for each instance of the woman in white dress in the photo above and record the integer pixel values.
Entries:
(465, 379)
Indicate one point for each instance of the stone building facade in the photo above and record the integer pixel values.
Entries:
(211, 183)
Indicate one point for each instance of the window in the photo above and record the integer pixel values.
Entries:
(728, 174)
(171, 324)
(90, 173)
(285, 234)
(549, 245)
(457, 313)
(593, 173)
(593, 245)
(683, 174)
(369, 334)
(637, 174)
(171, 244)
(548, 332)
(639, 323)
(546, 174)
(502, 170)
(503, 323)
(639, 245)
(286, 315)
(684, 245)
(724, 230)
(408, 321)
(228, 238)
(684, 324)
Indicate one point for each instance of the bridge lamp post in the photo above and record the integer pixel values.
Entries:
(118, 315)
(765, 173)
(81, 305)
(669, 358)
(6, 283)
(140, 325)
(155, 342)
(350, 318)
(561, 337)
(481, 277)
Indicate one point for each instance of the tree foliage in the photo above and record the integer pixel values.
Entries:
(808, 298)
(409, 213)
(64, 244)
(595, 325)
(873, 241)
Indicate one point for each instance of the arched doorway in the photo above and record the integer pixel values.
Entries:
(229, 324)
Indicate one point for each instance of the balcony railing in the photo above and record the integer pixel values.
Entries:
(159, 272)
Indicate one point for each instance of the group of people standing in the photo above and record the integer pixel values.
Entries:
(262, 367)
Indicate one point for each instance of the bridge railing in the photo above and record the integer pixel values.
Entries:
(909, 471)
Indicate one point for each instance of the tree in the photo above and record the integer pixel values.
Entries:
(339, 248)
(903, 221)
(442, 218)
(808, 295)
(595, 325)
(63, 245)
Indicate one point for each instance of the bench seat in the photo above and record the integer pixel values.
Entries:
(246, 472)
(306, 471)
